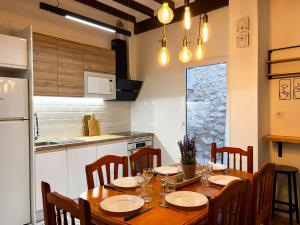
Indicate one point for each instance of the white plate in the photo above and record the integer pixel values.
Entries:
(167, 170)
(217, 167)
(186, 199)
(122, 203)
(222, 179)
(125, 182)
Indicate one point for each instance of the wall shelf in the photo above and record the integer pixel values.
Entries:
(282, 139)
(270, 62)
(283, 60)
(283, 75)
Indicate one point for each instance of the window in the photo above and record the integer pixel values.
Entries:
(206, 107)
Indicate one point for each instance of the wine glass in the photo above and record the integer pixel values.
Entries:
(140, 181)
(148, 174)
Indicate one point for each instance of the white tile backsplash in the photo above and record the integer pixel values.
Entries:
(61, 117)
(142, 116)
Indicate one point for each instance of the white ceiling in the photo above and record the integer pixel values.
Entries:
(139, 16)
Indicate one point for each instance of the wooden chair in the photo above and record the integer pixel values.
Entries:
(144, 158)
(229, 207)
(106, 161)
(58, 207)
(261, 199)
(233, 151)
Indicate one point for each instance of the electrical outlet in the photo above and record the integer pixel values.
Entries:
(279, 115)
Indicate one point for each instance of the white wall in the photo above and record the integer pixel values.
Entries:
(285, 31)
(164, 87)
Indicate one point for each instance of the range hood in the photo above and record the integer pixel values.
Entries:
(126, 90)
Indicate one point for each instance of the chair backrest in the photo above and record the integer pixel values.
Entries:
(229, 207)
(59, 209)
(236, 160)
(106, 161)
(144, 158)
(261, 199)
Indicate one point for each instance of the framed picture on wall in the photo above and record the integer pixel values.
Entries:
(296, 88)
(285, 89)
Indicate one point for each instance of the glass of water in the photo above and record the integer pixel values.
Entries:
(148, 174)
(171, 185)
(140, 181)
(146, 192)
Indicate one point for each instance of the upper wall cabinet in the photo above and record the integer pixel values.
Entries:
(13, 52)
(45, 65)
(59, 65)
(70, 68)
(99, 59)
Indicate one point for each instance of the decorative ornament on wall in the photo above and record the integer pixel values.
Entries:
(296, 88)
(285, 89)
(242, 33)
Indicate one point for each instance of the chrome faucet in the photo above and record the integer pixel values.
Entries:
(36, 126)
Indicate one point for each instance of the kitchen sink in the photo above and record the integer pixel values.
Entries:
(44, 143)
(57, 142)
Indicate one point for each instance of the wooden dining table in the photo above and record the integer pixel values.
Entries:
(158, 215)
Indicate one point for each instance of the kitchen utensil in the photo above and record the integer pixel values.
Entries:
(186, 199)
(122, 203)
(132, 215)
(94, 129)
(222, 179)
(125, 182)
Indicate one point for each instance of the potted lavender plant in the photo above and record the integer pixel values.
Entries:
(188, 156)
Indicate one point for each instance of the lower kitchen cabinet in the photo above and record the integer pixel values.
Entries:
(78, 158)
(52, 168)
(114, 148)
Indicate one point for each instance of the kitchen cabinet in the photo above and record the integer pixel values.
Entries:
(78, 158)
(14, 52)
(50, 167)
(45, 65)
(70, 69)
(114, 148)
(99, 59)
(59, 65)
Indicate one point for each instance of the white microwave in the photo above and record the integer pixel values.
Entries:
(99, 85)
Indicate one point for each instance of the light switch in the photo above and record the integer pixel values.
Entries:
(279, 115)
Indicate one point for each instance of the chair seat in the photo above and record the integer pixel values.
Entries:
(286, 169)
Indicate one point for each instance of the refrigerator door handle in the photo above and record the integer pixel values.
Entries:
(12, 119)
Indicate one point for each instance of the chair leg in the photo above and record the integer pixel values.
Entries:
(296, 198)
(274, 194)
(290, 199)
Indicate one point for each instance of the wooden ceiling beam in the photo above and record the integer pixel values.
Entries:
(137, 7)
(197, 8)
(108, 9)
(170, 2)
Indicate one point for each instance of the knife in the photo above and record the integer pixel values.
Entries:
(113, 188)
(137, 213)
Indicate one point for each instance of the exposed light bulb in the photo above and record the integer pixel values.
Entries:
(187, 17)
(165, 14)
(199, 50)
(205, 28)
(164, 56)
(185, 55)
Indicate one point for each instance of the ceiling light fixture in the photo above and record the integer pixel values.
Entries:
(205, 28)
(83, 19)
(187, 15)
(165, 14)
(185, 55)
(164, 54)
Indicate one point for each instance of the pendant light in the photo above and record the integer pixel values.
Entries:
(185, 55)
(205, 28)
(165, 14)
(199, 49)
(187, 15)
(164, 54)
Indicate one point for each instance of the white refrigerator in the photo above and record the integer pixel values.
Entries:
(14, 152)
